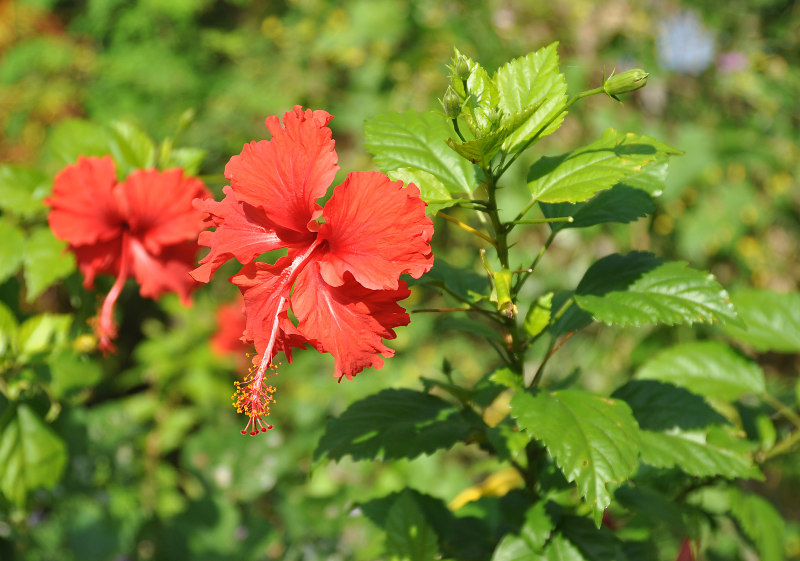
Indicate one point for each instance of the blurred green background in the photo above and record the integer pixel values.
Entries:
(156, 468)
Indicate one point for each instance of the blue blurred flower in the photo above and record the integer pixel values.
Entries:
(684, 45)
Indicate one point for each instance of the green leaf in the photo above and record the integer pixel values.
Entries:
(408, 534)
(131, 147)
(699, 453)
(639, 288)
(31, 454)
(432, 191)
(771, 320)
(621, 204)
(760, 522)
(532, 81)
(482, 98)
(74, 137)
(562, 549)
(10, 250)
(46, 261)
(572, 319)
(188, 159)
(417, 140)
(662, 406)
(395, 423)
(576, 176)
(481, 150)
(709, 368)
(502, 292)
(465, 284)
(39, 334)
(596, 544)
(8, 332)
(72, 372)
(593, 439)
(538, 315)
(651, 179)
(22, 191)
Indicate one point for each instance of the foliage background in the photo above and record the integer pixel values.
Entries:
(154, 467)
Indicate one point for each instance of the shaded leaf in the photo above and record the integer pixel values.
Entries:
(532, 81)
(46, 261)
(408, 534)
(709, 368)
(395, 423)
(639, 288)
(32, 455)
(40, 333)
(593, 439)
(619, 204)
(575, 176)
(662, 406)
(697, 453)
(596, 544)
(771, 320)
(71, 372)
(464, 284)
(417, 140)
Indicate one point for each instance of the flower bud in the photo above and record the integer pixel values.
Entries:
(462, 68)
(451, 103)
(628, 81)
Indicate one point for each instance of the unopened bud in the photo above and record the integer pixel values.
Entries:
(451, 103)
(628, 81)
(462, 68)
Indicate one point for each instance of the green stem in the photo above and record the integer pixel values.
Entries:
(544, 220)
(458, 132)
(784, 446)
(787, 412)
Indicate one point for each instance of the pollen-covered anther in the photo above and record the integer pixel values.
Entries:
(253, 397)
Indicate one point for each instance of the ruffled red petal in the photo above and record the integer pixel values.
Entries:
(286, 175)
(241, 234)
(376, 230)
(158, 206)
(168, 271)
(83, 205)
(266, 289)
(102, 258)
(347, 321)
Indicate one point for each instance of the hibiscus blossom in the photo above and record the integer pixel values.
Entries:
(145, 227)
(340, 277)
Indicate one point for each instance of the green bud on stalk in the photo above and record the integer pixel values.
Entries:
(451, 103)
(462, 68)
(628, 81)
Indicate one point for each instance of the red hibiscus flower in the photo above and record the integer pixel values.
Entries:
(145, 227)
(340, 277)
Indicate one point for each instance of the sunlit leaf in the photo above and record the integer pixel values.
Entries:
(417, 140)
(698, 453)
(432, 191)
(639, 288)
(131, 147)
(708, 368)
(576, 176)
(761, 522)
(46, 261)
(22, 191)
(593, 439)
(10, 249)
(32, 455)
(394, 423)
(74, 137)
(771, 320)
(532, 81)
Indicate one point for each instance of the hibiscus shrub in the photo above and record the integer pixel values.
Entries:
(557, 455)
